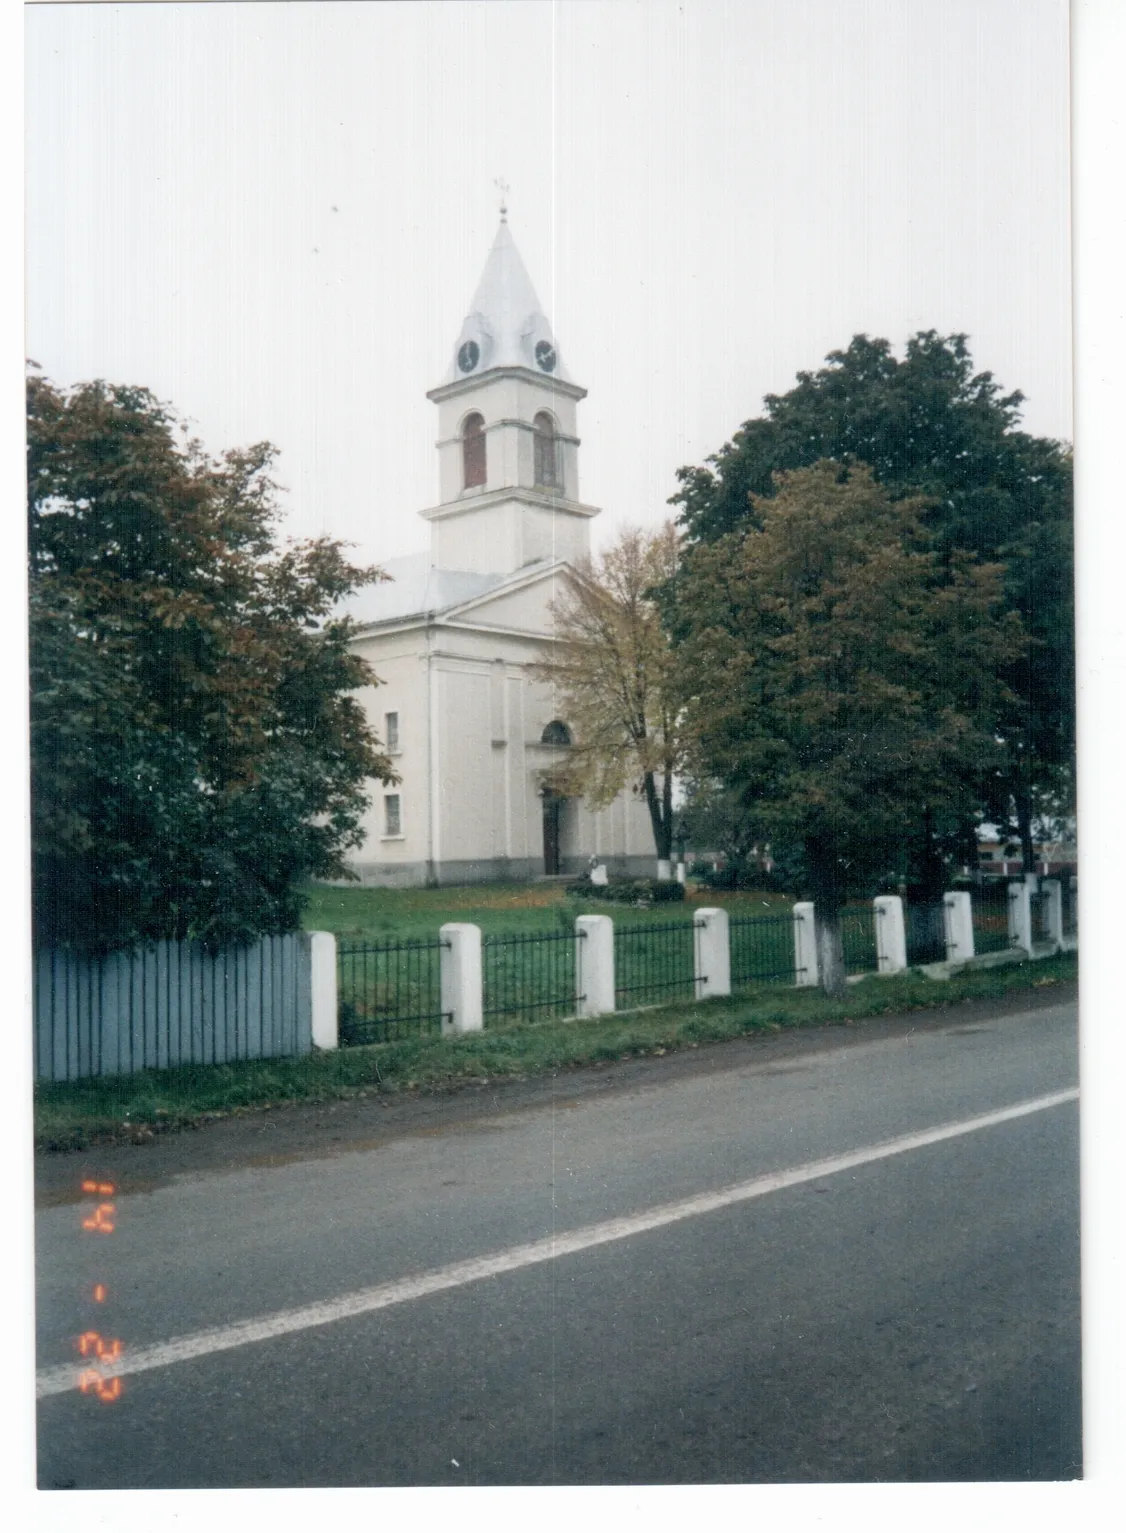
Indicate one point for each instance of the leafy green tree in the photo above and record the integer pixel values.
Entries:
(196, 750)
(611, 666)
(714, 818)
(841, 674)
(929, 426)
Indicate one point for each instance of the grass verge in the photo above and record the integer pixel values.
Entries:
(123, 1109)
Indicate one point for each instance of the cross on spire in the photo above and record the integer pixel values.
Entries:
(503, 188)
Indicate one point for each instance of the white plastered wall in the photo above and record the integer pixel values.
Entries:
(401, 670)
(487, 721)
(484, 538)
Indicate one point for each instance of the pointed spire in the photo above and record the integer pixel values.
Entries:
(506, 325)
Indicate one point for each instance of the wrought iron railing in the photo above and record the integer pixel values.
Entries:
(529, 976)
(1069, 895)
(924, 928)
(1038, 909)
(393, 989)
(389, 990)
(989, 908)
(762, 949)
(858, 938)
(654, 963)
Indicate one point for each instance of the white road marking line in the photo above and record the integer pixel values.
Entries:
(57, 1380)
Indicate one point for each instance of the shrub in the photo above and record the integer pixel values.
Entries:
(628, 891)
(778, 880)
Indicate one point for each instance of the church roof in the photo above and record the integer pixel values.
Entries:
(416, 589)
(506, 322)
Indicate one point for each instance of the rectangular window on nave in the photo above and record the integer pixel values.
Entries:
(392, 815)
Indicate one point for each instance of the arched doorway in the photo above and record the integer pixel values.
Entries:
(554, 803)
(552, 821)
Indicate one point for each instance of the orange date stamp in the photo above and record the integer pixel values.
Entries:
(99, 1350)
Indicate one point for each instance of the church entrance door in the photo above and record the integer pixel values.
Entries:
(552, 815)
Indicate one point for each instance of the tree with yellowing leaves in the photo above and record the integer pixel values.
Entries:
(613, 672)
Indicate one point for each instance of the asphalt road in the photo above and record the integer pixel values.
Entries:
(911, 1314)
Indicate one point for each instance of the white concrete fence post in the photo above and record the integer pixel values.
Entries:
(322, 984)
(891, 934)
(1020, 915)
(711, 939)
(594, 965)
(461, 977)
(958, 926)
(1053, 909)
(806, 971)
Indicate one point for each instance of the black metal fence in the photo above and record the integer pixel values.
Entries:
(654, 963)
(858, 938)
(1069, 895)
(389, 990)
(529, 976)
(924, 927)
(762, 948)
(1038, 906)
(392, 989)
(990, 909)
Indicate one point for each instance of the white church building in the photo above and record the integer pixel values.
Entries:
(452, 634)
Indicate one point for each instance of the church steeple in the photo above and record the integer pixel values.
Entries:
(506, 325)
(507, 447)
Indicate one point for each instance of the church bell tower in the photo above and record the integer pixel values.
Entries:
(507, 442)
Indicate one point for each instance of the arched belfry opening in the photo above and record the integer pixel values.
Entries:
(474, 464)
(546, 465)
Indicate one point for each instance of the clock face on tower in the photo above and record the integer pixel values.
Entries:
(545, 355)
(468, 356)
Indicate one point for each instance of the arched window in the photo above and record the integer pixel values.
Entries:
(556, 733)
(547, 452)
(474, 467)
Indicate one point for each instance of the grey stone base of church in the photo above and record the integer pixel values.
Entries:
(492, 870)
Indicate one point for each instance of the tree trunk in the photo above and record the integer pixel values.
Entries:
(828, 901)
(929, 885)
(660, 814)
(1024, 828)
(830, 952)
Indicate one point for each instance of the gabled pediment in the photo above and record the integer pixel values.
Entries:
(419, 595)
(522, 604)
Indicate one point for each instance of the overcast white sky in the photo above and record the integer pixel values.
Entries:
(274, 215)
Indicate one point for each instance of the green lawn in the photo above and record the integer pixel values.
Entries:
(73, 1114)
(496, 908)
